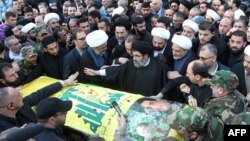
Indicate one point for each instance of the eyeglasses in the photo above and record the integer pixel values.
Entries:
(82, 39)
(204, 58)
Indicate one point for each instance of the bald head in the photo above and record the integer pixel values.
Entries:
(225, 25)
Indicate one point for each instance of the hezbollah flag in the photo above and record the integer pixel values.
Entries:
(92, 112)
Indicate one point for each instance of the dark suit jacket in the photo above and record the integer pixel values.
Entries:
(239, 70)
(71, 64)
(48, 64)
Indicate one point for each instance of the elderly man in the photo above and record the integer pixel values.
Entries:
(224, 27)
(95, 57)
(156, 6)
(14, 52)
(142, 75)
(182, 55)
(52, 21)
(190, 28)
(223, 84)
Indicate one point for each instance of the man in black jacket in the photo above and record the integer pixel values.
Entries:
(16, 111)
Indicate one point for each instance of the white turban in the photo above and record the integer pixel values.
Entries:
(50, 16)
(28, 27)
(160, 32)
(118, 11)
(213, 15)
(191, 24)
(247, 50)
(182, 41)
(96, 38)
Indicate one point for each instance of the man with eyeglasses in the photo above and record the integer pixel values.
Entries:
(51, 113)
(16, 110)
(208, 55)
(71, 62)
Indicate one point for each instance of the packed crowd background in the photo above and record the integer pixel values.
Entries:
(196, 52)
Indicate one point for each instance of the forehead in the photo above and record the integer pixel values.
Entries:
(120, 28)
(205, 31)
(187, 28)
(136, 53)
(52, 45)
(158, 39)
(234, 37)
(53, 20)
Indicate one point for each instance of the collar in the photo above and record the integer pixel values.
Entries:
(147, 63)
(14, 56)
(215, 70)
(156, 52)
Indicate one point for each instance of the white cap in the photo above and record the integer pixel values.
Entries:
(238, 13)
(96, 38)
(160, 32)
(247, 50)
(182, 41)
(191, 24)
(50, 16)
(118, 11)
(213, 15)
(28, 27)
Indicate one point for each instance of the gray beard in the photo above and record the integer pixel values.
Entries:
(140, 64)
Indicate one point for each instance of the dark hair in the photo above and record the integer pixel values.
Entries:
(145, 5)
(10, 14)
(106, 21)
(72, 5)
(75, 32)
(165, 20)
(4, 67)
(207, 4)
(56, 31)
(27, 9)
(82, 20)
(207, 26)
(48, 40)
(199, 68)
(239, 33)
(94, 14)
(237, 3)
(180, 15)
(144, 99)
(8, 31)
(137, 20)
(93, 5)
(2, 46)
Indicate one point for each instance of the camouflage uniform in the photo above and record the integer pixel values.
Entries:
(239, 119)
(25, 67)
(234, 101)
(40, 30)
(195, 119)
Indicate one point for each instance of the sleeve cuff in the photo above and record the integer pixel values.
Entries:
(103, 72)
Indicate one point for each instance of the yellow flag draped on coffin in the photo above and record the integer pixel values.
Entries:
(92, 112)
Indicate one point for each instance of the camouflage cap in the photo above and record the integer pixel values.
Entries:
(28, 51)
(191, 119)
(225, 79)
(41, 29)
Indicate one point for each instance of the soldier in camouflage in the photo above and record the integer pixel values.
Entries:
(226, 97)
(41, 32)
(193, 123)
(29, 61)
(238, 119)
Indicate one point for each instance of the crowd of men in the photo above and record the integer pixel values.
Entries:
(195, 52)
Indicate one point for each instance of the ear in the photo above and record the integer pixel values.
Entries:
(45, 49)
(198, 77)
(11, 106)
(220, 91)
(193, 135)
